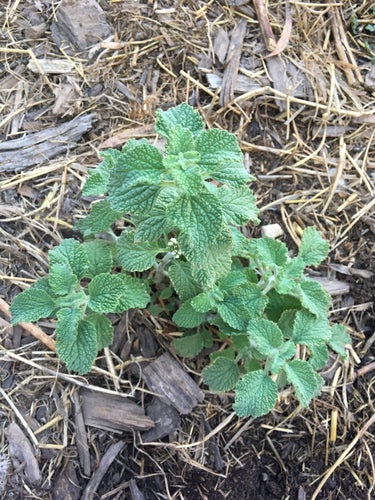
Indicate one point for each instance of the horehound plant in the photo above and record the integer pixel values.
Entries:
(178, 213)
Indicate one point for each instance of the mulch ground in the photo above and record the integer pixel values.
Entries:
(304, 119)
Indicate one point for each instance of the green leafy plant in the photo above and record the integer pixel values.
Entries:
(178, 213)
(80, 288)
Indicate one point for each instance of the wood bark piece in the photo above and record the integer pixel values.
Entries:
(50, 66)
(221, 44)
(67, 484)
(113, 413)
(333, 287)
(81, 436)
(20, 451)
(80, 24)
(166, 377)
(41, 146)
(135, 492)
(233, 62)
(105, 463)
(166, 420)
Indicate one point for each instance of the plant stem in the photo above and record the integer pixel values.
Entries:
(160, 268)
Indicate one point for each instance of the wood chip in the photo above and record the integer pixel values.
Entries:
(221, 45)
(333, 287)
(166, 377)
(135, 492)
(67, 484)
(81, 436)
(21, 452)
(113, 413)
(233, 61)
(50, 66)
(41, 146)
(80, 24)
(165, 417)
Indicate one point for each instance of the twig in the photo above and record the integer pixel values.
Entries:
(32, 329)
(365, 369)
(265, 25)
(108, 457)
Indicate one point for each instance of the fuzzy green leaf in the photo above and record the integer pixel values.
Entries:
(104, 329)
(239, 242)
(203, 302)
(200, 217)
(180, 140)
(135, 256)
(223, 327)
(138, 198)
(278, 303)
(319, 356)
(105, 291)
(294, 267)
(187, 317)
(266, 334)
(269, 251)
(242, 344)
(228, 353)
(314, 297)
(211, 263)
(101, 217)
(61, 279)
(96, 183)
(253, 298)
(313, 247)
(68, 319)
(44, 284)
(256, 395)
(286, 322)
(153, 226)
(134, 293)
(222, 375)
(310, 330)
(183, 115)
(31, 305)
(238, 205)
(217, 147)
(189, 346)
(181, 276)
(233, 312)
(70, 252)
(143, 164)
(100, 257)
(231, 173)
(79, 354)
(306, 382)
(190, 179)
(231, 281)
(338, 340)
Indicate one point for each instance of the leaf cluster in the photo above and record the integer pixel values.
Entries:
(79, 289)
(179, 212)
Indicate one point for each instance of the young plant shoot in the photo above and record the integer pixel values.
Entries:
(178, 213)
